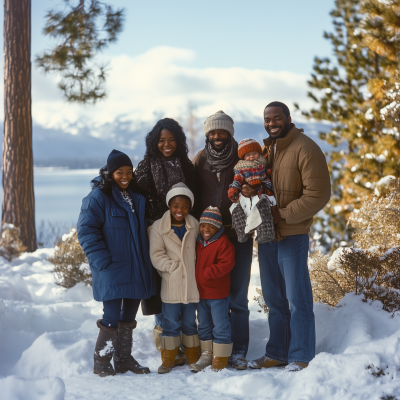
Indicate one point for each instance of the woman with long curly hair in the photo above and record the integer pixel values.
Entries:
(165, 164)
(112, 231)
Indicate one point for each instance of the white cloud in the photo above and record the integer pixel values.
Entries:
(160, 83)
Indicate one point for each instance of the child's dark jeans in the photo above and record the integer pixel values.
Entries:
(213, 316)
(179, 318)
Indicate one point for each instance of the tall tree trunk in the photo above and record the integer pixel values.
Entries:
(18, 198)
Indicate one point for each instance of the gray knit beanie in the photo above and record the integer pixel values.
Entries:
(180, 189)
(219, 120)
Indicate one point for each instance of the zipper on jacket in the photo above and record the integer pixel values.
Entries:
(218, 187)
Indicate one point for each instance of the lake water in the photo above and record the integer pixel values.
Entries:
(59, 193)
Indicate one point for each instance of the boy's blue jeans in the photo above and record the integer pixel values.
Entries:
(285, 280)
(213, 316)
(179, 318)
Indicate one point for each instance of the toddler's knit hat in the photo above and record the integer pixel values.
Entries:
(180, 189)
(219, 120)
(211, 215)
(247, 146)
(116, 159)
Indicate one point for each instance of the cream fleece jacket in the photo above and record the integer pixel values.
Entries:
(175, 260)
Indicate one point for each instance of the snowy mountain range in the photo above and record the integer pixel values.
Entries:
(88, 147)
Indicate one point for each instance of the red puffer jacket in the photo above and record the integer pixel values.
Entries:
(213, 265)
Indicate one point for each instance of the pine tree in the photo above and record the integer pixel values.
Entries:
(364, 151)
(82, 31)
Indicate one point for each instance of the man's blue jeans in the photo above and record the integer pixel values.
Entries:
(239, 302)
(179, 318)
(213, 316)
(285, 281)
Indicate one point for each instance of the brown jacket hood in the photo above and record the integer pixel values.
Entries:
(300, 178)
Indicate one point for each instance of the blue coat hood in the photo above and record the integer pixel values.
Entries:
(115, 242)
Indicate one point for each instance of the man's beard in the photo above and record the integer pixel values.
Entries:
(217, 150)
(284, 132)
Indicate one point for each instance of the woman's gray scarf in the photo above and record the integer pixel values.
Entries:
(166, 173)
(221, 160)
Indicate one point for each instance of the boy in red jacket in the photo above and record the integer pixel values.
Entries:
(215, 260)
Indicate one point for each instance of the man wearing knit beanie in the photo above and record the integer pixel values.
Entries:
(214, 172)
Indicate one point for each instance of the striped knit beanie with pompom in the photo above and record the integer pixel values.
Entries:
(247, 146)
(211, 215)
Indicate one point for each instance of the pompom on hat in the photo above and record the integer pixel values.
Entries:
(211, 215)
(219, 120)
(117, 159)
(180, 189)
(247, 146)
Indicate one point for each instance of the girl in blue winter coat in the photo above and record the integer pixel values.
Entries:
(112, 231)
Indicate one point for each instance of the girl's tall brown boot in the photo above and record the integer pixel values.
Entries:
(104, 350)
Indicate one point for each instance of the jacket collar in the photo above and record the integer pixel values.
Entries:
(284, 142)
(165, 223)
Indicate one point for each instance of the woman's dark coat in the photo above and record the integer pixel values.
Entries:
(115, 242)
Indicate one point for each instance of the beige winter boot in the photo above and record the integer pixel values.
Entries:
(221, 354)
(206, 357)
(169, 350)
(192, 348)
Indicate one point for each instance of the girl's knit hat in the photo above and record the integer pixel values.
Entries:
(180, 189)
(211, 215)
(247, 146)
(117, 159)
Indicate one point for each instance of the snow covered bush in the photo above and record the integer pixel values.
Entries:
(10, 244)
(328, 285)
(260, 300)
(70, 263)
(372, 267)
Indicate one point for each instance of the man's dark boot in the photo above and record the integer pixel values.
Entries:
(104, 350)
(123, 360)
(239, 219)
(265, 231)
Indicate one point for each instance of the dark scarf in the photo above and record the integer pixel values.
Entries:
(213, 239)
(221, 160)
(166, 172)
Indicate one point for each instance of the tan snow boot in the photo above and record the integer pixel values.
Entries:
(265, 362)
(206, 357)
(169, 350)
(192, 348)
(221, 354)
(123, 359)
(104, 350)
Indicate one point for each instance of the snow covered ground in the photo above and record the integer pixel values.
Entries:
(47, 337)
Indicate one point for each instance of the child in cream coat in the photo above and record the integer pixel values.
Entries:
(173, 254)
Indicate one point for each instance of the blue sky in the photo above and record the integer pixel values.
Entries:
(231, 55)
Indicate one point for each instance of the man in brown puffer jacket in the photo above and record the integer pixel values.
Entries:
(302, 188)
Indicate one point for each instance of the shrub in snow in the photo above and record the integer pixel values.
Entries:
(329, 284)
(260, 300)
(70, 263)
(372, 269)
(10, 244)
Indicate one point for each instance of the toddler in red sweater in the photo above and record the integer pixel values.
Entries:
(215, 260)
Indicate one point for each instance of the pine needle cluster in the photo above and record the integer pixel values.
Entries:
(70, 263)
(11, 246)
(81, 31)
